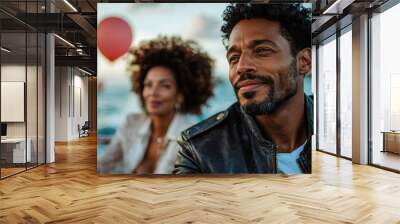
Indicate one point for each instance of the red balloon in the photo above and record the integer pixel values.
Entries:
(114, 37)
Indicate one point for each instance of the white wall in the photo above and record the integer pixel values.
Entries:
(33, 126)
(12, 101)
(62, 81)
(71, 94)
(16, 73)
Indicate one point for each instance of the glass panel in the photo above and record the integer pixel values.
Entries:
(41, 99)
(385, 84)
(13, 91)
(314, 82)
(327, 96)
(32, 85)
(2, 160)
(31, 101)
(13, 87)
(346, 94)
(23, 82)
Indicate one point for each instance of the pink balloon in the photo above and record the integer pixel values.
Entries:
(114, 37)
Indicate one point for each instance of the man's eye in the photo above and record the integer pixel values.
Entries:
(233, 59)
(263, 50)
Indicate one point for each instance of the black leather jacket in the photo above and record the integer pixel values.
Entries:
(231, 142)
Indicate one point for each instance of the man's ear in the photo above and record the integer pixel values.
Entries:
(304, 61)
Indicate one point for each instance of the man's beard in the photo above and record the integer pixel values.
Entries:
(271, 102)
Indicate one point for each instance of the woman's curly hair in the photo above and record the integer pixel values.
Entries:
(295, 21)
(192, 69)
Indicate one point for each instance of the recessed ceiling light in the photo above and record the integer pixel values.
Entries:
(337, 7)
(84, 71)
(5, 50)
(70, 5)
(64, 40)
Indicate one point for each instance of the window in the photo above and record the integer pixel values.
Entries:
(327, 96)
(346, 93)
(385, 89)
(22, 76)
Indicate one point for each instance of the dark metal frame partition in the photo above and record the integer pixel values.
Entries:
(0, 87)
(389, 4)
(338, 153)
(44, 80)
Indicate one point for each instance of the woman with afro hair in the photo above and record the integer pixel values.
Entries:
(173, 78)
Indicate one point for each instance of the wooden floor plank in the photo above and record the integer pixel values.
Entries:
(70, 191)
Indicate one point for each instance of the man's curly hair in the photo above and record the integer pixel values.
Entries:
(294, 19)
(192, 69)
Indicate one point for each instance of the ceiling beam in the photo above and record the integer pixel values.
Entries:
(86, 26)
(81, 61)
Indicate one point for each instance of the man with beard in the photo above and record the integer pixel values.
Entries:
(269, 128)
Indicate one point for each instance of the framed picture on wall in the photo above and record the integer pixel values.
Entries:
(190, 88)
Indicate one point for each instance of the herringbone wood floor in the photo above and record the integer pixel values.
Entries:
(70, 191)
